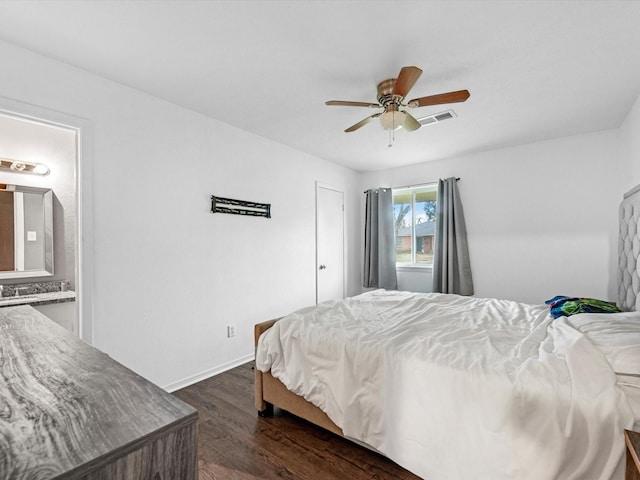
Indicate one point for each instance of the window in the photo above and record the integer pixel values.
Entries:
(414, 214)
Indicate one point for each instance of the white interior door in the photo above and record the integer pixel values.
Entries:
(329, 243)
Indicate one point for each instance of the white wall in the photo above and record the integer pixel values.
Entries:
(415, 279)
(168, 275)
(541, 218)
(630, 137)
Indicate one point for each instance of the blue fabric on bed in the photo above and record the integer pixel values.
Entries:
(563, 306)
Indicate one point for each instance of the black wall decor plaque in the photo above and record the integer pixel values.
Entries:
(240, 207)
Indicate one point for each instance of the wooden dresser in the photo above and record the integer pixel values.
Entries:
(69, 411)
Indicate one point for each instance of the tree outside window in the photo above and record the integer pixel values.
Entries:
(414, 211)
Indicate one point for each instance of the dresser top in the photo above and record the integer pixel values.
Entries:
(65, 407)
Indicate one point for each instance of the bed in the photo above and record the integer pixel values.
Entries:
(454, 387)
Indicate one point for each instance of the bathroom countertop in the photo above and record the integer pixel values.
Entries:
(38, 299)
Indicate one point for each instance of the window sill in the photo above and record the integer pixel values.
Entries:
(414, 268)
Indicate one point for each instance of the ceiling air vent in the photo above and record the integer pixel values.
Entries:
(438, 117)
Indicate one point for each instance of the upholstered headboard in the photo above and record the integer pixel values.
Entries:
(629, 251)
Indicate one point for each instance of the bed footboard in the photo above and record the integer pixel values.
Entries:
(264, 408)
(270, 391)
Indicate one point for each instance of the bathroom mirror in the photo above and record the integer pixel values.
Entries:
(26, 231)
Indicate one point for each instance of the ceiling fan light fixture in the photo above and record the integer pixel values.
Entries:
(392, 119)
(391, 97)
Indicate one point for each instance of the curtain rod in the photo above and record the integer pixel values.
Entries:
(416, 185)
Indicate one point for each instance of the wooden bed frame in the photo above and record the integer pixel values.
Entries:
(270, 391)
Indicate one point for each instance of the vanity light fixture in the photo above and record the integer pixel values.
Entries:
(18, 166)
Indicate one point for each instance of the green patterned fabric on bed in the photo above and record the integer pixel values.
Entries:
(563, 306)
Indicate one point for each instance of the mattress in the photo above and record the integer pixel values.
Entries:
(456, 387)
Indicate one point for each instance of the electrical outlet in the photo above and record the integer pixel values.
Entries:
(231, 331)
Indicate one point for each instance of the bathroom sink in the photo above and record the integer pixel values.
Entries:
(15, 299)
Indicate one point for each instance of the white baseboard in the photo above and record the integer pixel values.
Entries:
(185, 382)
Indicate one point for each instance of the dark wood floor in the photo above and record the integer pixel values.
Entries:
(235, 444)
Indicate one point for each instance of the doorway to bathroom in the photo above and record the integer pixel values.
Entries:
(31, 135)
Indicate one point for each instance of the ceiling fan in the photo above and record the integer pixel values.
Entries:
(391, 93)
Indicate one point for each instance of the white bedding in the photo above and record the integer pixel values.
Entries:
(455, 387)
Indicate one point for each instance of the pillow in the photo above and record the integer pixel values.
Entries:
(625, 360)
(562, 306)
(617, 336)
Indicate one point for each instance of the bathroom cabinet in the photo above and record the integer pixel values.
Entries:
(64, 314)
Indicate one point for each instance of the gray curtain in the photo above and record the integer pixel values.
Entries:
(451, 265)
(379, 241)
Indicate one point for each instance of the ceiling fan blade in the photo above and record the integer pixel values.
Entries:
(410, 123)
(353, 104)
(450, 97)
(406, 80)
(362, 123)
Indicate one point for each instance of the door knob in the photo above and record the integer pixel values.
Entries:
(322, 267)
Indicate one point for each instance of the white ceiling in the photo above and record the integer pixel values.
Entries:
(535, 69)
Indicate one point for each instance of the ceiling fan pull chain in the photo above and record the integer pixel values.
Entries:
(392, 134)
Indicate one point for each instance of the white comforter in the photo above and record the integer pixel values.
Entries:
(455, 387)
